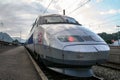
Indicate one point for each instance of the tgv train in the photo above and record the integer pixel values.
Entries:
(66, 46)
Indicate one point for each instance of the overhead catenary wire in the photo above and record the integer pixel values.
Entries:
(79, 7)
(71, 6)
(107, 22)
(92, 4)
(48, 6)
(105, 18)
(84, 3)
(109, 19)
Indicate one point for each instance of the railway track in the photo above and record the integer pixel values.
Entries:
(52, 75)
(114, 66)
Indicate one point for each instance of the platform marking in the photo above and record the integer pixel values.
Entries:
(41, 74)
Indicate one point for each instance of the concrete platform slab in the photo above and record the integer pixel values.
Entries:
(15, 64)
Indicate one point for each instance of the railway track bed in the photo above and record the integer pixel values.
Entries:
(114, 66)
(107, 73)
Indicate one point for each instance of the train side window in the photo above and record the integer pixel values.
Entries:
(39, 21)
(42, 21)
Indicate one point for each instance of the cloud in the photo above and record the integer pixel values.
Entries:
(99, 1)
(18, 17)
(87, 6)
(92, 19)
(111, 11)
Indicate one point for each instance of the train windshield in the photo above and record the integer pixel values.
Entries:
(53, 19)
(58, 19)
(70, 20)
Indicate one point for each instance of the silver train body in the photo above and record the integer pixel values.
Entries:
(66, 46)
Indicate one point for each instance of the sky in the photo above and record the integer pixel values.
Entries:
(17, 16)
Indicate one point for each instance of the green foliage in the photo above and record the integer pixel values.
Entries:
(109, 37)
(16, 42)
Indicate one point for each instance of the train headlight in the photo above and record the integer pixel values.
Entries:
(72, 38)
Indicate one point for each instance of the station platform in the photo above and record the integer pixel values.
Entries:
(15, 64)
(114, 55)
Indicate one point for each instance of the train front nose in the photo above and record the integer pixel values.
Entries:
(88, 55)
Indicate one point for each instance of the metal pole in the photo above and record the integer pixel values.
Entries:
(63, 11)
(118, 36)
(2, 37)
(20, 36)
(2, 24)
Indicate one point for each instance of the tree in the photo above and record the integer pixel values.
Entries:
(16, 42)
(109, 37)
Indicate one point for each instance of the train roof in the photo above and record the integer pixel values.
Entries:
(48, 14)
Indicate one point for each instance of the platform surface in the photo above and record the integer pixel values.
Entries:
(15, 64)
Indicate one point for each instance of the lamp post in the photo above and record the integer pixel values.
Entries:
(118, 35)
(20, 36)
(2, 37)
